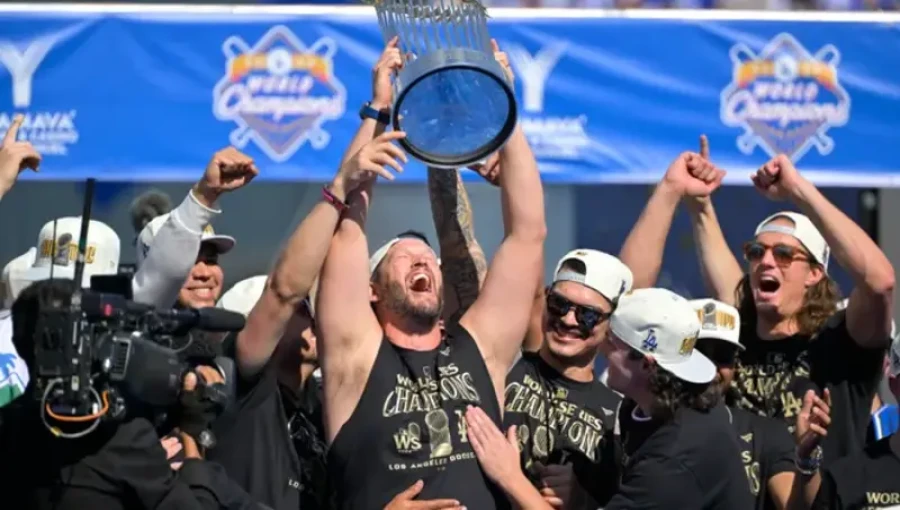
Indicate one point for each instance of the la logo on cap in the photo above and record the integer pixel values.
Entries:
(650, 343)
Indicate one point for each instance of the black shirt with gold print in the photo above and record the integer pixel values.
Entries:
(767, 449)
(771, 378)
(560, 421)
(868, 479)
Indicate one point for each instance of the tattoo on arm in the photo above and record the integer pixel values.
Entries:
(463, 263)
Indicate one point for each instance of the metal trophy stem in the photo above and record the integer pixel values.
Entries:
(451, 98)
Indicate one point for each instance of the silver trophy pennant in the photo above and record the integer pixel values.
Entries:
(451, 97)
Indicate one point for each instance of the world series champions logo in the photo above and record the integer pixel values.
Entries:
(785, 98)
(279, 92)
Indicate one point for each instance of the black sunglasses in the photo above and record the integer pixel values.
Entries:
(587, 317)
(783, 254)
(720, 352)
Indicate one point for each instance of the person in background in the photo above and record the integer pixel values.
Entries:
(180, 250)
(868, 478)
(299, 385)
(795, 338)
(677, 447)
(560, 410)
(766, 447)
(13, 371)
(15, 156)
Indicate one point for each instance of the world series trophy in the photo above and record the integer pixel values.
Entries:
(451, 97)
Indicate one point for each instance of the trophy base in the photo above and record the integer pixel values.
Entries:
(456, 108)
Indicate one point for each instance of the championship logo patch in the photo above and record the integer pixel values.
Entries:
(279, 92)
(785, 98)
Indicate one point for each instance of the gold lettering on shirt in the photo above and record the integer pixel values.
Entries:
(429, 433)
(751, 465)
(879, 499)
(560, 423)
(766, 387)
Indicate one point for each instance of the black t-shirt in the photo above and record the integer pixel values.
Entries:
(559, 421)
(254, 444)
(767, 449)
(867, 479)
(691, 461)
(771, 378)
(409, 425)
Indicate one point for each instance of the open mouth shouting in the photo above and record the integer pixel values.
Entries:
(420, 281)
(767, 286)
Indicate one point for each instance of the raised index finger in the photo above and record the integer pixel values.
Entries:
(13, 132)
(704, 147)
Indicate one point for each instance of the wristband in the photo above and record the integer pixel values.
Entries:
(332, 199)
(809, 466)
(381, 116)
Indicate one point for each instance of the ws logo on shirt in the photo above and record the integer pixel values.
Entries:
(785, 98)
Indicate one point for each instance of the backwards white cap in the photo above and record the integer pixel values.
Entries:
(223, 244)
(58, 254)
(663, 325)
(803, 230)
(603, 273)
(718, 320)
(382, 252)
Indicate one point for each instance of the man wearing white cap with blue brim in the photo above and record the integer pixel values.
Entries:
(679, 450)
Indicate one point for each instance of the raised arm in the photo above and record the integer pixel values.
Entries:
(463, 264)
(15, 156)
(869, 308)
(344, 315)
(720, 269)
(293, 276)
(644, 247)
(499, 317)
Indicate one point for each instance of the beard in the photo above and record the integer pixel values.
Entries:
(421, 317)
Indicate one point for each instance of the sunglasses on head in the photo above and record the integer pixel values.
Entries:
(587, 317)
(720, 352)
(783, 254)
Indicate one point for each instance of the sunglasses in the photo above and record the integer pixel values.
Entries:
(587, 317)
(721, 353)
(783, 254)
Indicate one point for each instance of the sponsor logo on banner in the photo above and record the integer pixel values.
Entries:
(785, 98)
(51, 132)
(550, 136)
(279, 92)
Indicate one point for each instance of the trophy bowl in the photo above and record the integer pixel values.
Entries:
(451, 98)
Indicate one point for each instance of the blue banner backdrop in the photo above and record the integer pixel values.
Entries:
(148, 93)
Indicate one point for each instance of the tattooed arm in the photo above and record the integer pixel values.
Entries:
(463, 264)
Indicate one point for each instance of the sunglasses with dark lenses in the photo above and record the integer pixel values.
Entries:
(783, 254)
(587, 317)
(720, 352)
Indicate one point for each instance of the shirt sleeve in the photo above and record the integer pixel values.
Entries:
(779, 447)
(657, 483)
(173, 255)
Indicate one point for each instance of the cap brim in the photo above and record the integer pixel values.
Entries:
(714, 336)
(697, 368)
(223, 244)
(21, 279)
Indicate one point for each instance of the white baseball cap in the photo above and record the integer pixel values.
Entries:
(803, 230)
(602, 272)
(243, 295)
(19, 263)
(718, 320)
(57, 251)
(223, 244)
(664, 326)
(382, 252)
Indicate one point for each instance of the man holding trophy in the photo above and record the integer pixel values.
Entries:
(398, 384)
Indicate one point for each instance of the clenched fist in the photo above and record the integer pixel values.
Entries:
(228, 170)
(15, 156)
(692, 175)
(778, 179)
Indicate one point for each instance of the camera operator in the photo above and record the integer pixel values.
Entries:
(121, 463)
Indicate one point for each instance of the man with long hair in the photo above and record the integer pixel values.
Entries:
(795, 337)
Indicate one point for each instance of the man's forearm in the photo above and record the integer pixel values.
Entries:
(463, 263)
(644, 247)
(368, 130)
(850, 245)
(720, 269)
(521, 191)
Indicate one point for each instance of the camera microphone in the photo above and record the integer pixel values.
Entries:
(216, 320)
